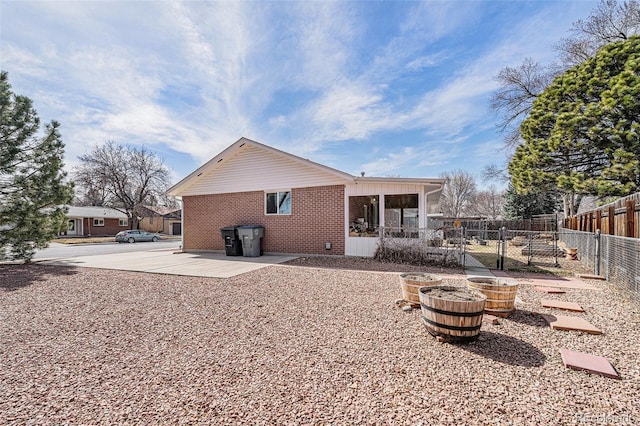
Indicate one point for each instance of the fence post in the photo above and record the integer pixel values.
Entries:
(504, 247)
(463, 246)
(630, 206)
(597, 252)
(530, 251)
(556, 237)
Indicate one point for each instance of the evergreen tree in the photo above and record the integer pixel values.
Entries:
(583, 134)
(525, 206)
(32, 182)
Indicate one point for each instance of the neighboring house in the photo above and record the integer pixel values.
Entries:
(94, 222)
(163, 220)
(305, 207)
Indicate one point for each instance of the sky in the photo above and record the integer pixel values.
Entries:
(389, 88)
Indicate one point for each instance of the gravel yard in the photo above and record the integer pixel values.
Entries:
(301, 343)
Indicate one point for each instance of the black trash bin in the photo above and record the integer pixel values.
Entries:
(232, 244)
(251, 237)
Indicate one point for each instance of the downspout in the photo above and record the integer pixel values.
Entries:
(181, 223)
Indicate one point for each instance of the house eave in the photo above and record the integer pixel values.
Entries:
(180, 188)
(399, 180)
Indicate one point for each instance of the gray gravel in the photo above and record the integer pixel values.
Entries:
(292, 345)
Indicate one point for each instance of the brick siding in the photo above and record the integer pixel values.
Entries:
(317, 217)
(111, 227)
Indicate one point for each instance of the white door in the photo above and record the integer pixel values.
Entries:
(71, 227)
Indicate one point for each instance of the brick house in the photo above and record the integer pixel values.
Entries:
(305, 207)
(91, 221)
(164, 220)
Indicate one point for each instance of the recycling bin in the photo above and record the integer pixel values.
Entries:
(251, 237)
(232, 244)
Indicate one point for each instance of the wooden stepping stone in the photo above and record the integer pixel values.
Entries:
(561, 322)
(551, 290)
(590, 363)
(559, 304)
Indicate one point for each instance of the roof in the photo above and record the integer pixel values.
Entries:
(198, 178)
(418, 181)
(94, 211)
(162, 210)
(221, 159)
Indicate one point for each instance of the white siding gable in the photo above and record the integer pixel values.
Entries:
(255, 169)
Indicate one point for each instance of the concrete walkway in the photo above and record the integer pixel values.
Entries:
(473, 267)
(209, 264)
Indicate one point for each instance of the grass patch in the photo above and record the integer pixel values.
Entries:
(85, 240)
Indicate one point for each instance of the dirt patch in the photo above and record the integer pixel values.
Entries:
(451, 293)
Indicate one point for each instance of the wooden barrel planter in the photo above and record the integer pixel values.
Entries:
(500, 292)
(411, 282)
(452, 314)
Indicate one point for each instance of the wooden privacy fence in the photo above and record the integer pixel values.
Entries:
(621, 218)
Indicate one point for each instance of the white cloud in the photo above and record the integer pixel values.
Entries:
(193, 77)
(428, 61)
(424, 156)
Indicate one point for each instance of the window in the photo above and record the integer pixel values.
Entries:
(98, 222)
(278, 202)
(364, 215)
(401, 214)
(123, 222)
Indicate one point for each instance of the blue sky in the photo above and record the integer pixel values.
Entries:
(389, 88)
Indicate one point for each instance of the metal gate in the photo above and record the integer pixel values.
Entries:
(512, 249)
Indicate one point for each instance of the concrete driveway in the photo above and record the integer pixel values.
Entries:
(216, 265)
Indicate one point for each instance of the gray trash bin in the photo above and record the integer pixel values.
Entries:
(251, 237)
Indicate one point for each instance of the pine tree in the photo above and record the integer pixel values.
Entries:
(32, 182)
(525, 206)
(582, 135)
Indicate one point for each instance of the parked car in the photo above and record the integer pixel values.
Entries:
(135, 236)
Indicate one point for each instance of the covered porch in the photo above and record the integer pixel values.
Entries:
(399, 206)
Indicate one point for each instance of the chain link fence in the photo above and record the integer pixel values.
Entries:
(616, 258)
(421, 246)
(514, 250)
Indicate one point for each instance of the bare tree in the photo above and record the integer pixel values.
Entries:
(513, 100)
(488, 203)
(458, 193)
(123, 178)
(92, 191)
(610, 21)
(520, 86)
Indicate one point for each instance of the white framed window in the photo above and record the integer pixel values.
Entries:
(123, 222)
(277, 202)
(98, 222)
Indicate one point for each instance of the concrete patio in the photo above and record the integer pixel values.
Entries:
(204, 264)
